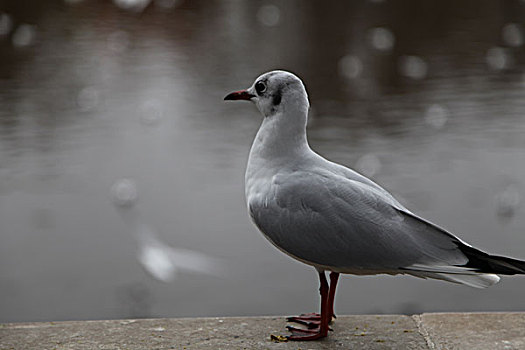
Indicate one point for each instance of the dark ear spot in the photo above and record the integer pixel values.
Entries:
(276, 98)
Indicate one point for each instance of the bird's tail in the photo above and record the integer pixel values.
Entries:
(467, 277)
(481, 270)
(486, 263)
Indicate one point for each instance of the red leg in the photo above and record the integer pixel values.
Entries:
(322, 330)
(313, 320)
(334, 276)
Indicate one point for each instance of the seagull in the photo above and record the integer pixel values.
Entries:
(338, 221)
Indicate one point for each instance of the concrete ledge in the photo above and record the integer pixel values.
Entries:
(427, 331)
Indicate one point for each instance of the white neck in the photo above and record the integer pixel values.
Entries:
(280, 139)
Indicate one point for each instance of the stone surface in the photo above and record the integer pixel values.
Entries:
(427, 331)
(490, 331)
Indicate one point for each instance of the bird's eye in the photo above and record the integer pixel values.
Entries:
(260, 87)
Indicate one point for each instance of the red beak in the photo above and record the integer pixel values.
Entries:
(239, 95)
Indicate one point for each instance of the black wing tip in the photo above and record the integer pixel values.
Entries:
(487, 263)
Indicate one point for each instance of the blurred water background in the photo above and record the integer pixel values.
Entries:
(120, 162)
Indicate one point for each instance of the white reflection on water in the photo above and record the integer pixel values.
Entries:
(163, 261)
(436, 116)
(498, 58)
(269, 15)
(88, 99)
(381, 39)
(124, 192)
(368, 165)
(413, 67)
(132, 5)
(350, 66)
(6, 24)
(24, 35)
(508, 201)
(159, 260)
(512, 34)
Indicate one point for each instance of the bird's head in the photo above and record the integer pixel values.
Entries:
(275, 92)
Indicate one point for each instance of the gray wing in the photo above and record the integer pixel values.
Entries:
(326, 219)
